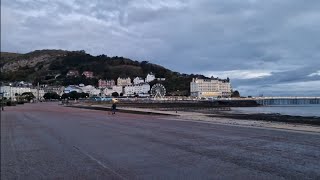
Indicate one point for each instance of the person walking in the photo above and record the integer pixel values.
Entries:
(2, 104)
(114, 108)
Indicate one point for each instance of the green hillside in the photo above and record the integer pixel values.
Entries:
(55, 64)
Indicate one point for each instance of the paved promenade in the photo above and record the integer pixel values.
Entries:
(47, 141)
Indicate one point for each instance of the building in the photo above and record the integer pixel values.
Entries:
(72, 88)
(73, 73)
(108, 91)
(11, 92)
(123, 81)
(111, 83)
(129, 90)
(54, 89)
(23, 84)
(91, 90)
(142, 88)
(35, 93)
(139, 89)
(138, 80)
(213, 87)
(225, 88)
(88, 74)
(161, 79)
(150, 77)
(102, 83)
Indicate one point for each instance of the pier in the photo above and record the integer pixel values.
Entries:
(286, 100)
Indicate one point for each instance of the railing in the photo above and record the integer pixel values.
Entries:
(289, 101)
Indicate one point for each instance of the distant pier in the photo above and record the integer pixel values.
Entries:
(286, 100)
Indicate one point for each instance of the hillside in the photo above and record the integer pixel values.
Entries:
(51, 67)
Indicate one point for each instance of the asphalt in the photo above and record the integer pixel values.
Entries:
(48, 141)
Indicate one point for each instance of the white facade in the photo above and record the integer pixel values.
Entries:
(210, 88)
(71, 88)
(123, 81)
(24, 84)
(150, 77)
(35, 93)
(143, 88)
(137, 89)
(109, 91)
(57, 89)
(138, 80)
(10, 92)
(91, 90)
(161, 79)
(129, 90)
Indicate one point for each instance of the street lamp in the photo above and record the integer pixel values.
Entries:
(10, 91)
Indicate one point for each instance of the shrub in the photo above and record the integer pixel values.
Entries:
(20, 102)
(11, 103)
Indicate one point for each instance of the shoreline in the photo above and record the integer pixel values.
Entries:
(272, 117)
(273, 121)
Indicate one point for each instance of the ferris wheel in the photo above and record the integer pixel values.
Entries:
(158, 91)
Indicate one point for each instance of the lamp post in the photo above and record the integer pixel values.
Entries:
(10, 92)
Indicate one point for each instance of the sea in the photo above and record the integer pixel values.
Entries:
(294, 110)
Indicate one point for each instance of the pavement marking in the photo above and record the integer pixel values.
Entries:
(99, 162)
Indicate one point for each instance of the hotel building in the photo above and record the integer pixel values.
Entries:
(207, 88)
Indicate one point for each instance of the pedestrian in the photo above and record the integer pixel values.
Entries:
(114, 108)
(2, 105)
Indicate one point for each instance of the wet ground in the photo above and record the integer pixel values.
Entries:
(47, 141)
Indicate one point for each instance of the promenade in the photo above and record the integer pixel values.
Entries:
(48, 141)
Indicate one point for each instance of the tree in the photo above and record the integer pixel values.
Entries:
(18, 96)
(115, 94)
(28, 96)
(74, 95)
(84, 95)
(51, 95)
(64, 96)
(235, 94)
(47, 96)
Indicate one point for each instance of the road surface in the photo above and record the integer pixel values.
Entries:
(48, 141)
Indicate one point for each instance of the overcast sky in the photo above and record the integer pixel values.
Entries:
(269, 47)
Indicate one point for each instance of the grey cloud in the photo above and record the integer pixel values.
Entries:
(191, 36)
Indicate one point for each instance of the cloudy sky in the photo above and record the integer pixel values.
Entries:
(269, 47)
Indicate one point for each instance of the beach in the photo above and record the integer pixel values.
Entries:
(221, 115)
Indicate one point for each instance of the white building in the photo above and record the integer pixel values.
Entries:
(109, 91)
(129, 90)
(205, 88)
(161, 79)
(138, 80)
(91, 90)
(72, 88)
(54, 89)
(140, 89)
(35, 93)
(123, 81)
(24, 84)
(11, 92)
(102, 83)
(150, 77)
